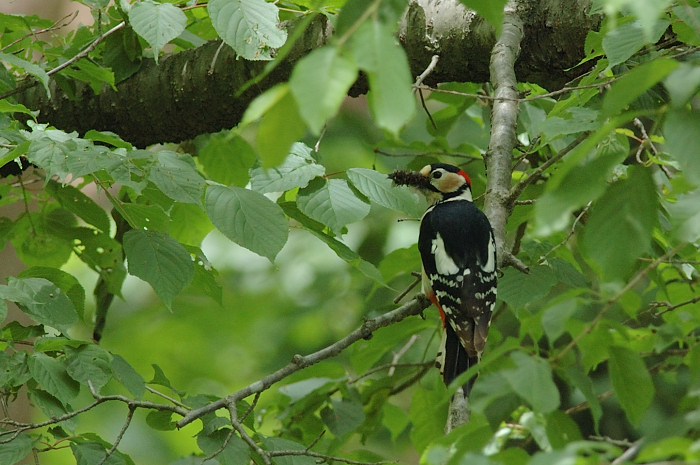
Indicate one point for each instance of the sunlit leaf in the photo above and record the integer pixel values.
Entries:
(157, 23)
(249, 26)
(380, 189)
(296, 171)
(390, 97)
(332, 203)
(320, 83)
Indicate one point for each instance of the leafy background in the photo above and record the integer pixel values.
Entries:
(261, 247)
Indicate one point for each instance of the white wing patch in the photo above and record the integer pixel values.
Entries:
(490, 265)
(443, 262)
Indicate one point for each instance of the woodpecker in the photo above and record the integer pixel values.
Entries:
(458, 252)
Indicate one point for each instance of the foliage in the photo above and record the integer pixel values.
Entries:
(593, 352)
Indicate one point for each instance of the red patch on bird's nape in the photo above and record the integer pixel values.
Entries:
(466, 177)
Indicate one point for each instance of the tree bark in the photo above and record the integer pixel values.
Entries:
(195, 91)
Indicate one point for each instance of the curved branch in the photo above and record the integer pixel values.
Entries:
(414, 307)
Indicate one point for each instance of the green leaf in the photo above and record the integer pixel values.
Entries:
(227, 159)
(92, 452)
(378, 54)
(159, 260)
(157, 23)
(343, 251)
(89, 363)
(296, 171)
(13, 451)
(635, 83)
(51, 375)
(648, 12)
(682, 84)
(8, 107)
(518, 289)
(332, 203)
(189, 225)
(532, 381)
(381, 190)
(680, 129)
(685, 216)
(342, 417)
(582, 183)
(248, 218)
(631, 381)
(577, 378)
(250, 27)
(68, 283)
(161, 420)
(176, 175)
(236, 451)
(279, 128)
(127, 376)
(554, 318)
(626, 40)
(150, 217)
(42, 300)
(35, 70)
(80, 204)
(94, 75)
(620, 224)
(578, 119)
(319, 83)
(427, 421)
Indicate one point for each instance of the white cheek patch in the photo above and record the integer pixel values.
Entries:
(490, 265)
(443, 263)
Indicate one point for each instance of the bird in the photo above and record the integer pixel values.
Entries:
(458, 255)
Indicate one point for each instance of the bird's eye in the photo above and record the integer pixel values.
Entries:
(437, 174)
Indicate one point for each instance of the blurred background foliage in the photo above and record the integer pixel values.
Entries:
(592, 351)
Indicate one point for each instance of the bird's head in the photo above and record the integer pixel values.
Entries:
(438, 181)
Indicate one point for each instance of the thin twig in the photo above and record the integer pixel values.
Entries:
(537, 172)
(630, 454)
(670, 307)
(419, 80)
(321, 457)
(166, 397)
(568, 236)
(245, 436)
(119, 437)
(400, 353)
(421, 77)
(53, 27)
(299, 362)
(79, 56)
(407, 290)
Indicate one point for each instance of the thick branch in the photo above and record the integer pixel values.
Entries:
(504, 120)
(180, 97)
(414, 307)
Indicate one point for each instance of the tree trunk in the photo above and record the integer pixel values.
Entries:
(195, 91)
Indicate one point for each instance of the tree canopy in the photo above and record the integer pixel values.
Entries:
(216, 268)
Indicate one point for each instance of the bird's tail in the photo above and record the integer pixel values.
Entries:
(453, 360)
